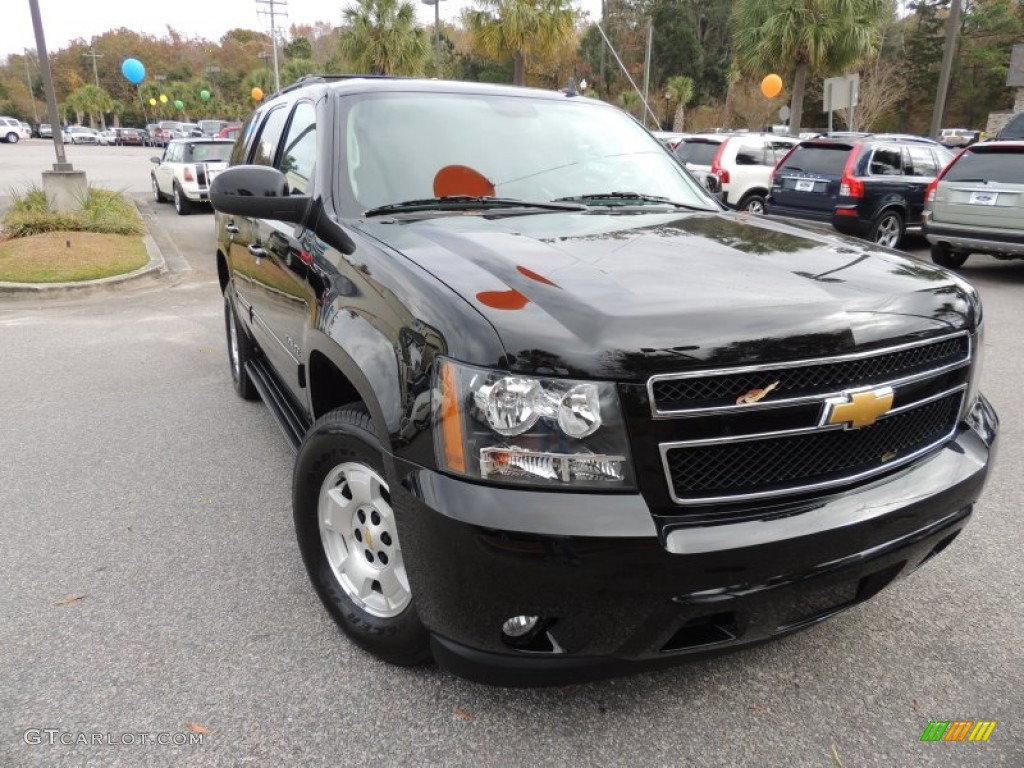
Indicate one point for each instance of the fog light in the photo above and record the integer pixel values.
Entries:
(518, 626)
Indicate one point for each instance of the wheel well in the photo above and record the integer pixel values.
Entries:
(222, 271)
(329, 388)
(754, 191)
(897, 207)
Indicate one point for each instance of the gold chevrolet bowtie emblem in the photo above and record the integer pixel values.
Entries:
(368, 537)
(858, 409)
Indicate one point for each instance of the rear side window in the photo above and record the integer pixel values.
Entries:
(988, 164)
(299, 154)
(270, 137)
(697, 152)
(886, 161)
(817, 159)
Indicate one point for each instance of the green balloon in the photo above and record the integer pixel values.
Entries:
(179, 104)
(204, 95)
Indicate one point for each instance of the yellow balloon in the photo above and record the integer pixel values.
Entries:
(163, 98)
(152, 102)
(771, 86)
(257, 94)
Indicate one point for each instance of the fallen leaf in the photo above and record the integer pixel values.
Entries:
(197, 728)
(758, 708)
(70, 599)
(915, 704)
(461, 714)
(836, 757)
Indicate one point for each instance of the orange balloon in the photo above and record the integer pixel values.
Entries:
(771, 86)
(257, 94)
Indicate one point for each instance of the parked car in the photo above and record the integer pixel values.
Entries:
(210, 128)
(130, 137)
(670, 138)
(870, 188)
(1013, 130)
(742, 163)
(45, 131)
(107, 138)
(558, 413)
(230, 131)
(956, 137)
(188, 131)
(184, 172)
(977, 205)
(12, 131)
(164, 131)
(80, 134)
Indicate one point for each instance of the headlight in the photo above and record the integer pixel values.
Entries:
(507, 428)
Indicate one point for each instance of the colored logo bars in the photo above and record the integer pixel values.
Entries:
(958, 730)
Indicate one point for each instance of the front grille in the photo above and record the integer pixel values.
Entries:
(684, 392)
(768, 466)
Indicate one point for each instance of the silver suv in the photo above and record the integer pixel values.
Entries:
(977, 205)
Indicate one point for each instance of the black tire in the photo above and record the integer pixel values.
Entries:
(181, 203)
(887, 229)
(340, 441)
(241, 349)
(158, 196)
(752, 202)
(945, 257)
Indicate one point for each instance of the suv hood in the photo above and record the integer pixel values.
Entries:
(624, 296)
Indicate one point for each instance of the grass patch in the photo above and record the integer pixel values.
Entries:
(47, 258)
(102, 211)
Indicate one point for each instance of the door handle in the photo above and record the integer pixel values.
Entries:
(231, 229)
(257, 251)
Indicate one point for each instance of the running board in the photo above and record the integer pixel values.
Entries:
(292, 422)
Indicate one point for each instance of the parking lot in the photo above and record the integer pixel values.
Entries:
(153, 587)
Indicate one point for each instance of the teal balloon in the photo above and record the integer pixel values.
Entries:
(179, 104)
(133, 71)
(204, 95)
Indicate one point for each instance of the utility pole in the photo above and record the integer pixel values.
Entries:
(274, 13)
(952, 27)
(31, 95)
(437, 35)
(91, 53)
(604, 52)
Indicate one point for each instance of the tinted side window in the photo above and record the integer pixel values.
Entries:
(269, 137)
(749, 155)
(922, 162)
(242, 144)
(886, 161)
(299, 154)
(1013, 129)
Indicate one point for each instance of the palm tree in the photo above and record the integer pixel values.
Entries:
(631, 102)
(517, 28)
(92, 101)
(680, 89)
(383, 38)
(817, 37)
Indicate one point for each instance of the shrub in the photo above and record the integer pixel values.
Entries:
(103, 211)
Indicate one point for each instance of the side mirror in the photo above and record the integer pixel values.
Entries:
(154, 159)
(259, 192)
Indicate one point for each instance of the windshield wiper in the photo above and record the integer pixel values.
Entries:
(626, 198)
(467, 203)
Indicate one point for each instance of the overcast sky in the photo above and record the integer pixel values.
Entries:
(66, 20)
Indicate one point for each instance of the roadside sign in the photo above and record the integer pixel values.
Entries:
(840, 92)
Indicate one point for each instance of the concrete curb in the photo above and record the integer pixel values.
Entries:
(155, 268)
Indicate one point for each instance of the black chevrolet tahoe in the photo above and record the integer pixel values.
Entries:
(559, 415)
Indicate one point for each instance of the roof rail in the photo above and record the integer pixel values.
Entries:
(328, 78)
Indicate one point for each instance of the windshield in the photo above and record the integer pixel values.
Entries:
(529, 149)
(207, 153)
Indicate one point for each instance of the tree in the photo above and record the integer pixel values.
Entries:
(517, 28)
(92, 101)
(383, 38)
(817, 37)
(631, 102)
(680, 88)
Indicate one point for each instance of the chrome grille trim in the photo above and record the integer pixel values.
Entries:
(657, 413)
(664, 448)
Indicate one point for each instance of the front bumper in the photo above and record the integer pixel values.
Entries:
(620, 589)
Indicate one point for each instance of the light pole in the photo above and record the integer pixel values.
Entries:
(437, 35)
(668, 114)
(31, 95)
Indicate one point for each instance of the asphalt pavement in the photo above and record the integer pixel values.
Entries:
(152, 588)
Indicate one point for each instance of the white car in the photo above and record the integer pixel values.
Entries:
(107, 138)
(743, 163)
(184, 172)
(79, 134)
(12, 131)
